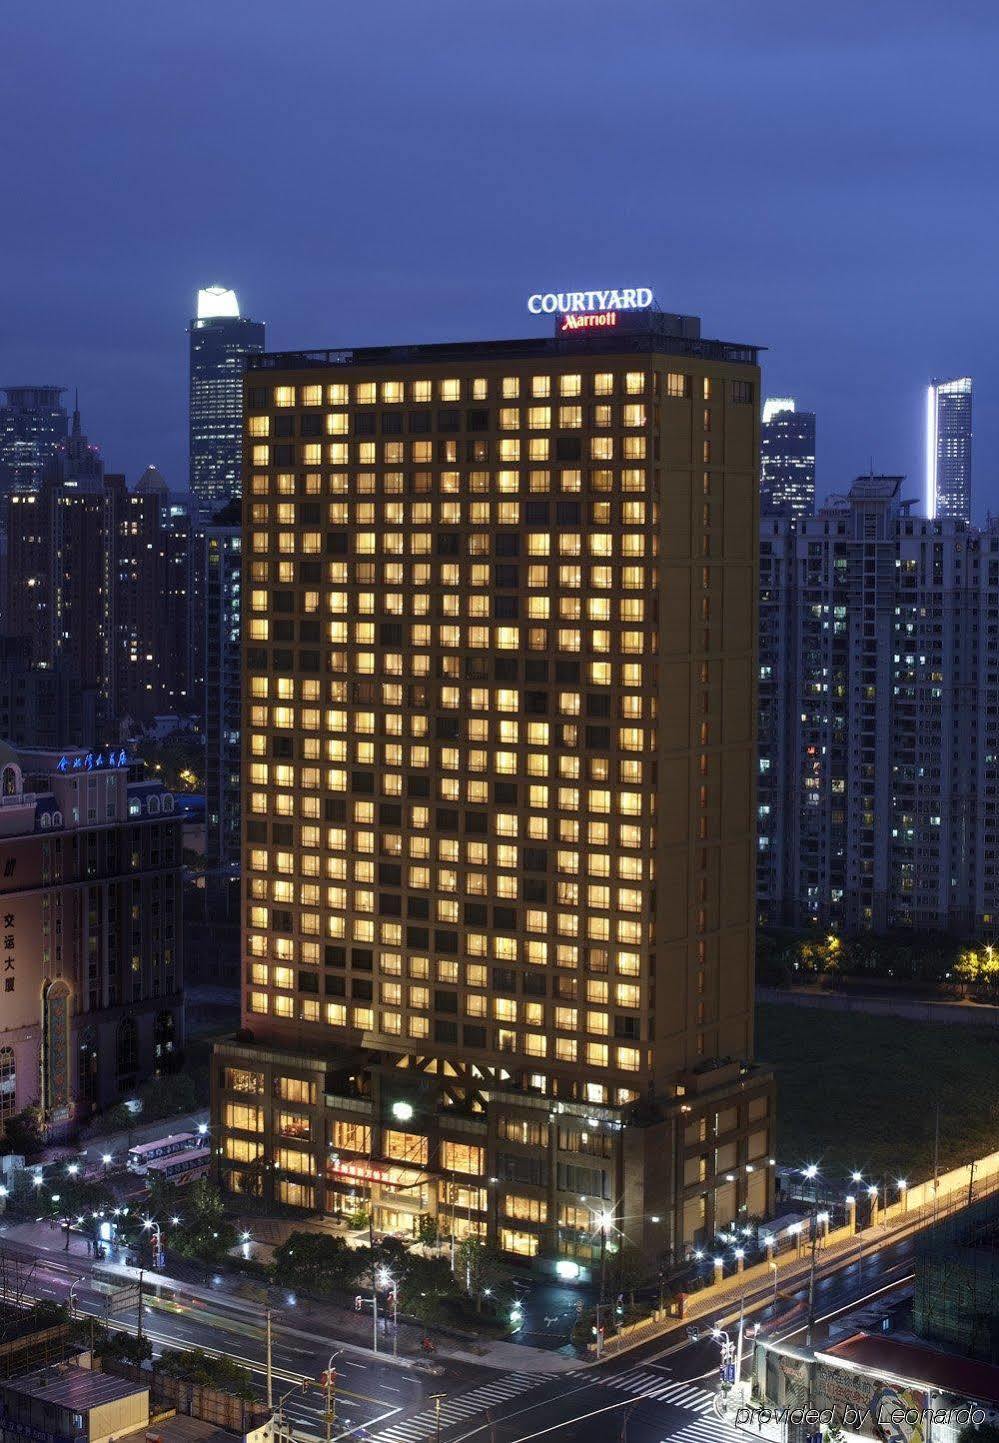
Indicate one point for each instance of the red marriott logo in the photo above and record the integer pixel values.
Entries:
(587, 321)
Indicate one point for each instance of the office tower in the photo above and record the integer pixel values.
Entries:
(498, 750)
(222, 564)
(787, 459)
(33, 422)
(948, 448)
(877, 739)
(221, 341)
(90, 892)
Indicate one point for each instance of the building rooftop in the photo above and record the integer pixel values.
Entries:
(181, 1429)
(68, 1386)
(647, 332)
(919, 1364)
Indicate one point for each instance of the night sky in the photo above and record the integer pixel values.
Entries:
(817, 179)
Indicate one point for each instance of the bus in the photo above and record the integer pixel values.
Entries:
(140, 1156)
(179, 1167)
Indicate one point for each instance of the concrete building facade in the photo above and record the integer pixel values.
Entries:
(91, 942)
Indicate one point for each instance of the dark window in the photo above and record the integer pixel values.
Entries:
(449, 420)
(507, 543)
(506, 608)
(336, 956)
(284, 425)
(364, 423)
(536, 513)
(284, 455)
(312, 425)
(445, 1001)
(568, 448)
(567, 513)
(445, 1031)
(392, 423)
(420, 423)
(308, 982)
(506, 576)
(505, 919)
(477, 420)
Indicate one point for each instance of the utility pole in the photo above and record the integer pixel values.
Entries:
(738, 1345)
(329, 1383)
(270, 1364)
(374, 1279)
(811, 1270)
(138, 1331)
(936, 1160)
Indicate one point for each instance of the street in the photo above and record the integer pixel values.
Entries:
(663, 1389)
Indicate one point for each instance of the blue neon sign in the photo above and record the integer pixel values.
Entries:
(94, 761)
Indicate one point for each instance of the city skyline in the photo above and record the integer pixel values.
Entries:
(809, 277)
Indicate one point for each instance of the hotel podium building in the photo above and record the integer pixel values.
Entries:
(498, 801)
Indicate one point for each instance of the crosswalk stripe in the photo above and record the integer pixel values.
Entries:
(458, 1410)
(704, 1431)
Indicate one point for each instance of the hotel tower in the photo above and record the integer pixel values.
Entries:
(499, 700)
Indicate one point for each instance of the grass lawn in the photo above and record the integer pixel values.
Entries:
(860, 1091)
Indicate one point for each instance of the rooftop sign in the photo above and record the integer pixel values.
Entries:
(93, 761)
(564, 303)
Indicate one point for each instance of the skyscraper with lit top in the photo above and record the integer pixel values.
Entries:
(220, 342)
(948, 448)
(787, 459)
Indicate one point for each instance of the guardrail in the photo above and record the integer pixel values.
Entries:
(917, 1207)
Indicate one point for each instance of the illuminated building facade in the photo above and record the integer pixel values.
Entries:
(220, 342)
(948, 448)
(787, 459)
(498, 753)
(90, 906)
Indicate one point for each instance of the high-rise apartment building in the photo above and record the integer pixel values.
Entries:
(222, 572)
(498, 803)
(879, 661)
(787, 459)
(90, 900)
(220, 342)
(153, 608)
(33, 422)
(98, 582)
(948, 448)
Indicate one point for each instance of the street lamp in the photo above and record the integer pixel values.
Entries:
(437, 1399)
(402, 1111)
(386, 1279)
